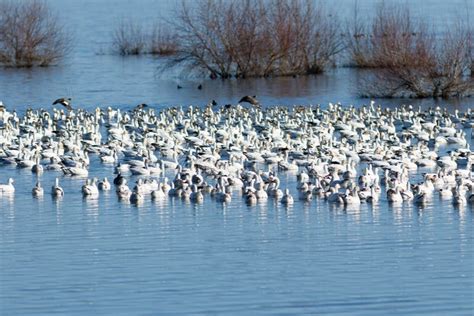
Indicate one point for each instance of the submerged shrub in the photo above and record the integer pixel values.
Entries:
(30, 35)
(128, 38)
(408, 60)
(162, 41)
(132, 38)
(247, 38)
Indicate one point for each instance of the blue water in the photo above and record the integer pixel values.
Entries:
(80, 257)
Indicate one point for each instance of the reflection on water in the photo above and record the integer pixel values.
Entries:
(59, 212)
(370, 257)
(335, 86)
(91, 206)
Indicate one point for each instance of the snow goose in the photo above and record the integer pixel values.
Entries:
(250, 197)
(37, 191)
(196, 195)
(37, 167)
(56, 190)
(159, 194)
(8, 187)
(123, 191)
(351, 197)
(459, 196)
(89, 189)
(260, 193)
(287, 198)
(136, 197)
(393, 195)
(104, 184)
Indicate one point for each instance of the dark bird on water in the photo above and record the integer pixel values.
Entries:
(141, 106)
(179, 87)
(119, 179)
(64, 102)
(200, 87)
(250, 99)
(213, 103)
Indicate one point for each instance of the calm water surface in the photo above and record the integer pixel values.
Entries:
(77, 256)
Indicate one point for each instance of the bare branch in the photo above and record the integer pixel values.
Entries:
(248, 38)
(30, 35)
(409, 60)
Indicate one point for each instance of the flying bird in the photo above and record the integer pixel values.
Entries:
(141, 106)
(250, 99)
(64, 102)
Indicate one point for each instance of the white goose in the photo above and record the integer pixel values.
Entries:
(394, 196)
(37, 167)
(287, 198)
(351, 197)
(260, 193)
(8, 187)
(223, 194)
(123, 191)
(90, 189)
(159, 194)
(56, 190)
(104, 184)
(333, 196)
(136, 197)
(421, 197)
(274, 189)
(250, 197)
(37, 191)
(196, 195)
(459, 196)
(79, 171)
(374, 196)
(111, 157)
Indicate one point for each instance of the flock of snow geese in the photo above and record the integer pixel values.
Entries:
(344, 155)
